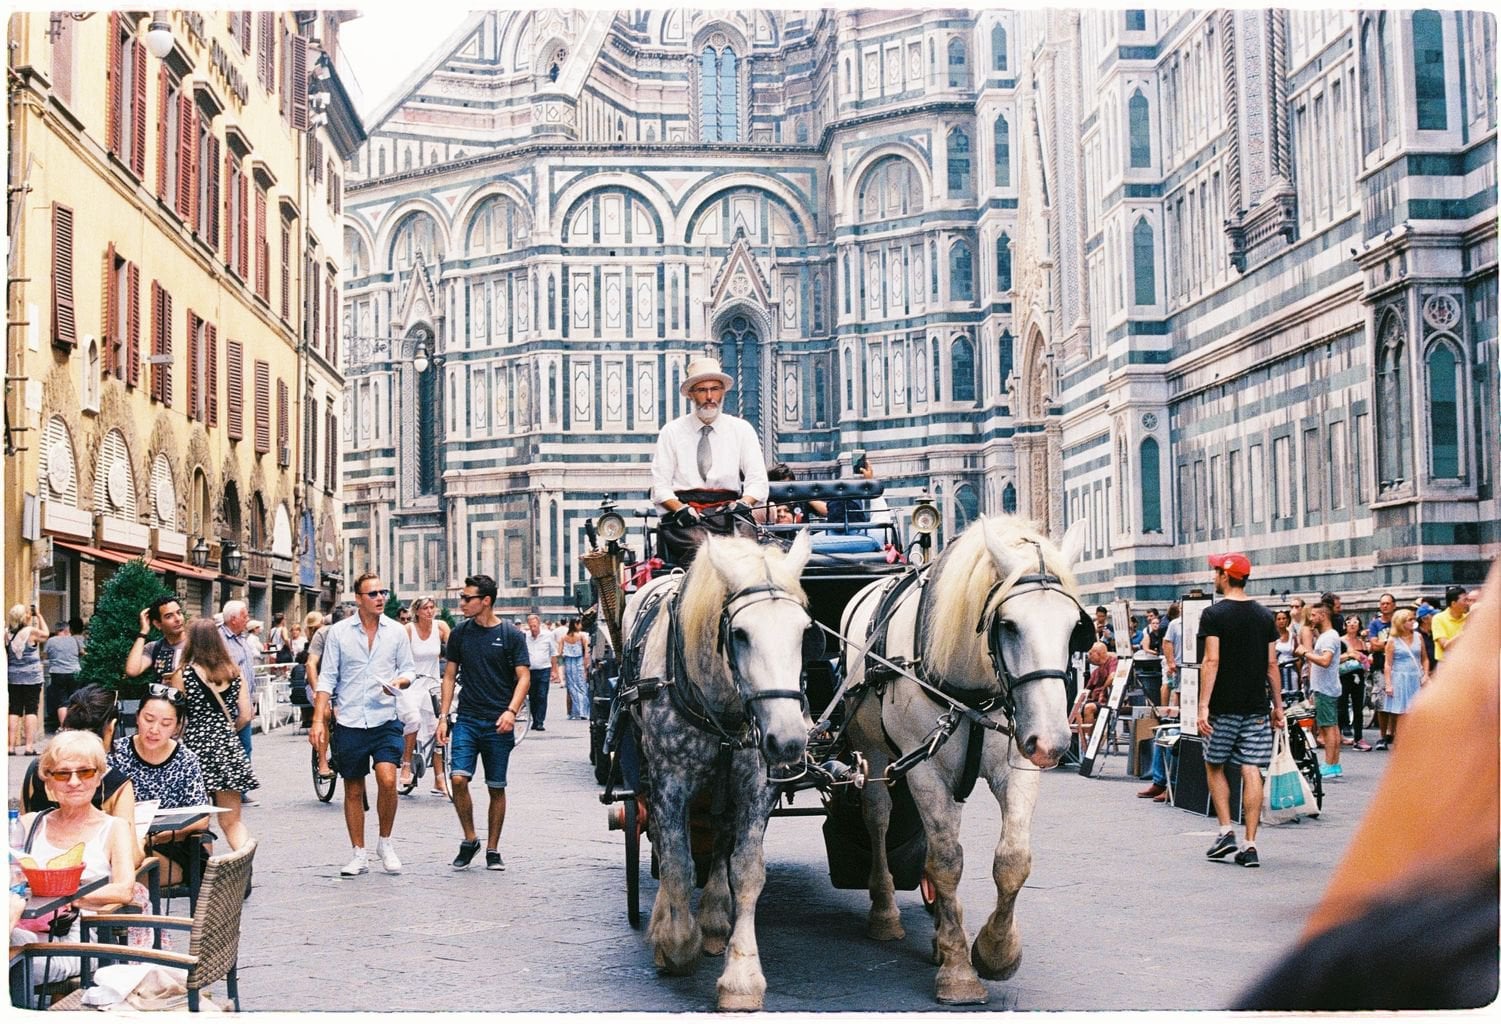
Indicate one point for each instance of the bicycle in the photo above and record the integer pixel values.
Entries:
(427, 748)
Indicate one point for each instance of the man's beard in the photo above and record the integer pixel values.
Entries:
(707, 412)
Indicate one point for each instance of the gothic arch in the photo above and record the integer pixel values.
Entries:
(485, 190)
(1033, 368)
(734, 35)
(396, 217)
(919, 159)
(572, 196)
(693, 204)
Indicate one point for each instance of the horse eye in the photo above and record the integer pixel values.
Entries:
(1010, 626)
(739, 635)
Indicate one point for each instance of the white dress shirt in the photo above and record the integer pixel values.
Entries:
(736, 463)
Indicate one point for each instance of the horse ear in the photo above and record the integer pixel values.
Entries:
(1073, 542)
(993, 544)
(796, 558)
(715, 554)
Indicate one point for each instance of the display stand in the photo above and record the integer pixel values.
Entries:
(1191, 785)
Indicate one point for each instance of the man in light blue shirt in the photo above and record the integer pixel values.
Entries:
(234, 619)
(367, 658)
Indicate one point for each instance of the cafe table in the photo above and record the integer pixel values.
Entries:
(175, 819)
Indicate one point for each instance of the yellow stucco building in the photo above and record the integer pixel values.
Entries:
(173, 383)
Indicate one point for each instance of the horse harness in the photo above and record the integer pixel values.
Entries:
(964, 704)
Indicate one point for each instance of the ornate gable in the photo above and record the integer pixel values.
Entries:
(418, 299)
(740, 277)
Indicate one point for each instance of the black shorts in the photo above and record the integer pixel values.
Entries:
(60, 690)
(24, 699)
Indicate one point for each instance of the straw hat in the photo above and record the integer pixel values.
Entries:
(705, 368)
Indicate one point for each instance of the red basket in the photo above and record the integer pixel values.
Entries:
(54, 881)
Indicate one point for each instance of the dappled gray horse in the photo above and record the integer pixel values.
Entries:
(725, 640)
(988, 629)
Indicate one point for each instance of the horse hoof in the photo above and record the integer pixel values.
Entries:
(885, 930)
(676, 968)
(962, 992)
(714, 945)
(989, 972)
(740, 1002)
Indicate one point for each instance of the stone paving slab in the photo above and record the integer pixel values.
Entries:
(1122, 909)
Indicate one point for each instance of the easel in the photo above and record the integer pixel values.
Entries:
(1092, 763)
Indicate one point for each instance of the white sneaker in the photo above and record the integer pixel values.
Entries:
(386, 851)
(358, 865)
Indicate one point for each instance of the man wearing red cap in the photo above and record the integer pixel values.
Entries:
(1238, 682)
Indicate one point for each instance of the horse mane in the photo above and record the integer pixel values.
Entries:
(704, 591)
(962, 579)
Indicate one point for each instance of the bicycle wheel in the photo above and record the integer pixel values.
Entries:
(323, 786)
(632, 864)
(416, 774)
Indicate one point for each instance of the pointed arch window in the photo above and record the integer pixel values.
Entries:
(718, 95)
(849, 380)
(1387, 69)
(960, 178)
(958, 65)
(1139, 113)
(1003, 264)
(1151, 487)
(1394, 405)
(428, 433)
(966, 506)
(1443, 411)
(1008, 499)
(740, 352)
(1428, 70)
(962, 369)
(998, 47)
(1144, 263)
(1007, 357)
(961, 273)
(1002, 152)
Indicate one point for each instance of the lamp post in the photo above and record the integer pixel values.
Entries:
(198, 556)
(230, 559)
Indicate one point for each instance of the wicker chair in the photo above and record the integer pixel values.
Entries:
(213, 943)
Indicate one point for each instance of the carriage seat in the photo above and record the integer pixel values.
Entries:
(785, 492)
(845, 544)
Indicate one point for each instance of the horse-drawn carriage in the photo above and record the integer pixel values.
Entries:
(824, 658)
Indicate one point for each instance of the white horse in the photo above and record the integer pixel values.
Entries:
(731, 708)
(991, 625)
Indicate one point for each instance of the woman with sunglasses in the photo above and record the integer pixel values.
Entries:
(218, 706)
(72, 767)
(161, 768)
(91, 709)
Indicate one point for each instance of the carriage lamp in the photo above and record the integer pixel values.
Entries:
(610, 526)
(925, 516)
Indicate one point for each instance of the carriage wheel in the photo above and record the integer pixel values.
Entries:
(929, 893)
(632, 863)
(324, 788)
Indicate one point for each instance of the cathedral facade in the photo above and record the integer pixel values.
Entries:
(1203, 280)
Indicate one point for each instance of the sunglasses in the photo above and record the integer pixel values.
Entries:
(470, 597)
(81, 774)
(165, 692)
(376, 593)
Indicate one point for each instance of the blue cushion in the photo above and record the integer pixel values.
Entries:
(844, 543)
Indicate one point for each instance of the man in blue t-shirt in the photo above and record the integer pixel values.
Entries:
(1238, 681)
(489, 657)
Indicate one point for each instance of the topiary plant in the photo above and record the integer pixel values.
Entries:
(393, 606)
(112, 630)
(447, 616)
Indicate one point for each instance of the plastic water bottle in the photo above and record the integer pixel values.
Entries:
(17, 843)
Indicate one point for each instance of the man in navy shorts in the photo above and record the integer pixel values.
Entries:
(1238, 683)
(366, 661)
(489, 657)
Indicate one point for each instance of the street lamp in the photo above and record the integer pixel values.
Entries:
(199, 553)
(230, 559)
(420, 361)
(159, 35)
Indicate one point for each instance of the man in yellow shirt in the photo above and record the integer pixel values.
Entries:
(1448, 623)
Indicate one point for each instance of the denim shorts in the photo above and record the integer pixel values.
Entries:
(473, 739)
(354, 749)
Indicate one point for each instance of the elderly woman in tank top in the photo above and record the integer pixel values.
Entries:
(429, 635)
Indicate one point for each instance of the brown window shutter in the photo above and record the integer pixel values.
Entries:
(64, 317)
(286, 269)
(211, 339)
(163, 152)
(234, 379)
(262, 407)
(114, 72)
(133, 325)
(245, 31)
(195, 380)
(266, 62)
(299, 71)
(155, 388)
(331, 334)
(244, 255)
(111, 326)
(229, 209)
(262, 257)
(62, 63)
(138, 113)
(315, 292)
(309, 439)
(330, 446)
(212, 170)
(186, 116)
(167, 347)
(283, 424)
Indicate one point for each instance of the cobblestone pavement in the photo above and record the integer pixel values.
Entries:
(1122, 910)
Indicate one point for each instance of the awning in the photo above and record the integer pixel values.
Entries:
(181, 569)
(97, 554)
